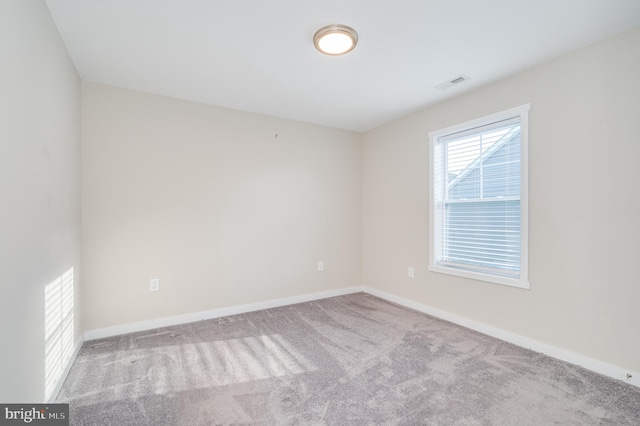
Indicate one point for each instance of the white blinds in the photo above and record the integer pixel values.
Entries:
(478, 199)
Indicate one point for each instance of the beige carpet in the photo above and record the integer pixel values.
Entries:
(348, 360)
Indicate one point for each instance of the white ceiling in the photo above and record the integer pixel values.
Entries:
(258, 55)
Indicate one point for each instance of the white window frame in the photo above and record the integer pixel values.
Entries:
(523, 280)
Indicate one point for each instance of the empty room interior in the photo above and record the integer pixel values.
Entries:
(209, 216)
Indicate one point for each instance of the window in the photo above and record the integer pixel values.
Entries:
(479, 198)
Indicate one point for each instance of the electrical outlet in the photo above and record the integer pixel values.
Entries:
(154, 284)
(320, 266)
(411, 272)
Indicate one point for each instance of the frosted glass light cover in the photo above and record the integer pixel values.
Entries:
(335, 39)
(335, 43)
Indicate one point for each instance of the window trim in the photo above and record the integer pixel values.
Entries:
(523, 281)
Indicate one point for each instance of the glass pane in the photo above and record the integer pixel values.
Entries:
(483, 233)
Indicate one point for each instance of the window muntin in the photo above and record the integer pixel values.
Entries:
(477, 221)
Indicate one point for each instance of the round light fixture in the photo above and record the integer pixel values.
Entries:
(335, 39)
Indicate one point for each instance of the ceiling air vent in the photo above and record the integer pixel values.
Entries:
(452, 82)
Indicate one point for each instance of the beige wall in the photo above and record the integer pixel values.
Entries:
(210, 201)
(39, 188)
(584, 205)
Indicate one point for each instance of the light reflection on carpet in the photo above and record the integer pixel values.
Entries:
(177, 368)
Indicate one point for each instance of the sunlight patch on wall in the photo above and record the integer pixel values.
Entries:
(58, 329)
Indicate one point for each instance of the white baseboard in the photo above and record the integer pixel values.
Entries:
(214, 313)
(601, 367)
(65, 373)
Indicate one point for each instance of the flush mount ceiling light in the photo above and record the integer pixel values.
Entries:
(335, 39)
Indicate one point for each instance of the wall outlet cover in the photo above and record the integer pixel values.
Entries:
(154, 284)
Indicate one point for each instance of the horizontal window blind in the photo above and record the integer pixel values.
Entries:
(478, 199)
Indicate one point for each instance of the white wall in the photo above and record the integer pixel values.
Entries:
(209, 201)
(584, 205)
(39, 188)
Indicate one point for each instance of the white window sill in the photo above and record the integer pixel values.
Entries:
(511, 282)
